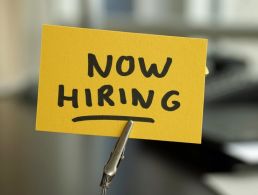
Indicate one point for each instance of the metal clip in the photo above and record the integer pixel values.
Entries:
(116, 156)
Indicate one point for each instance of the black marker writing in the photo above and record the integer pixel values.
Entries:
(105, 97)
(164, 101)
(153, 70)
(125, 66)
(137, 97)
(62, 97)
(93, 63)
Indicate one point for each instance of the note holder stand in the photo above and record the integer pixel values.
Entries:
(115, 158)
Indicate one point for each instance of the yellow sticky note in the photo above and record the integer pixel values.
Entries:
(93, 81)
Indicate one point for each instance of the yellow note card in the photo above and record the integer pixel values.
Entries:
(93, 81)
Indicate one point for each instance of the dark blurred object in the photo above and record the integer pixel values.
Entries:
(230, 79)
(230, 115)
(221, 65)
(205, 157)
(231, 122)
(228, 123)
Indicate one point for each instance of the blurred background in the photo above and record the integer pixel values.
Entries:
(35, 163)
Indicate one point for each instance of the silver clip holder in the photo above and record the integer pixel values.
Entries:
(116, 156)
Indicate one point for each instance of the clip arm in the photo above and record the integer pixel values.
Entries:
(116, 156)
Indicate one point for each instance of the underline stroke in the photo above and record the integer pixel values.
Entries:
(113, 117)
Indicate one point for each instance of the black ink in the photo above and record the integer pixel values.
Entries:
(153, 68)
(113, 117)
(104, 94)
(119, 64)
(122, 96)
(137, 97)
(62, 97)
(88, 97)
(93, 63)
(165, 98)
